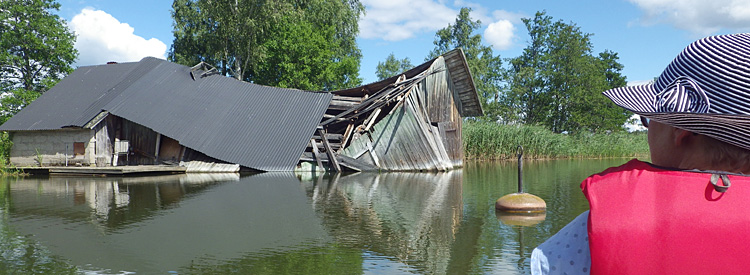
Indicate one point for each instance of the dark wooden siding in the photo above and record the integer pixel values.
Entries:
(142, 142)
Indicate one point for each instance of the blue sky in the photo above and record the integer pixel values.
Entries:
(647, 34)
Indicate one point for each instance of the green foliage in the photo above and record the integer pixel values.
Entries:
(329, 259)
(489, 140)
(9, 170)
(22, 254)
(392, 67)
(298, 44)
(37, 51)
(557, 82)
(5, 145)
(486, 68)
(39, 157)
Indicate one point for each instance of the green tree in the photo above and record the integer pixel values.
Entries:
(486, 68)
(37, 51)
(557, 81)
(307, 45)
(392, 66)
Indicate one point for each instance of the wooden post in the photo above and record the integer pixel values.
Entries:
(331, 154)
(158, 144)
(316, 153)
(372, 118)
(373, 155)
(347, 135)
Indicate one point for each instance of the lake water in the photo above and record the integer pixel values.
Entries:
(281, 223)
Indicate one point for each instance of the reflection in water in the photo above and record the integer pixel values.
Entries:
(168, 225)
(411, 218)
(270, 223)
(520, 219)
(109, 203)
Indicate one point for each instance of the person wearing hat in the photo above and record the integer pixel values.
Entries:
(688, 211)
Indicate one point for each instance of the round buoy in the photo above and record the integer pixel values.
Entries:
(521, 202)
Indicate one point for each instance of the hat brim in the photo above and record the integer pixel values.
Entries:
(730, 128)
(638, 99)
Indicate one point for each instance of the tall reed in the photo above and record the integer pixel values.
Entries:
(9, 170)
(492, 141)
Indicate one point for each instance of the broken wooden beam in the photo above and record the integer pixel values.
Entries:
(331, 154)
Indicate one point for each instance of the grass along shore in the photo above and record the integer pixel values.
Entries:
(492, 141)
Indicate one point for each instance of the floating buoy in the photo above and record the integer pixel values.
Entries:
(521, 202)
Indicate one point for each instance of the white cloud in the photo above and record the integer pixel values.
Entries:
(698, 16)
(102, 38)
(500, 34)
(394, 20)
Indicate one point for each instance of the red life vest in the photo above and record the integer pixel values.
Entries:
(646, 220)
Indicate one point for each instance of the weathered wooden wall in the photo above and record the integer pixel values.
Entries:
(104, 138)
(442, 106)
(170, 150)
(422, 133)
(142, 143)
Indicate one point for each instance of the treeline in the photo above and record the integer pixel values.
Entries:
(555, 83)
(485, 140)
(307, 45)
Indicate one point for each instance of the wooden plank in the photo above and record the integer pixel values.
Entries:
(372, 153)
(348, 98)
(330, 152)
(327, 116)
(347, 135)
(372, 119)
(342, 105)
(357, 165)
(338, 137)
(316, 153)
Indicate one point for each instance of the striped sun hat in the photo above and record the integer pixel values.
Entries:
(705, 90)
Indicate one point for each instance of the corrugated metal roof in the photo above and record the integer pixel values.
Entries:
(78, 96)
(260, 127)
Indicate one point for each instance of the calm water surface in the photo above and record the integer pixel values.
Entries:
(281, 223)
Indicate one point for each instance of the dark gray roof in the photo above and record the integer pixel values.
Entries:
(260, 127)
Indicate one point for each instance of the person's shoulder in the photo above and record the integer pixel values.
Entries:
(633, 164)
(565, 252)
(626, 170)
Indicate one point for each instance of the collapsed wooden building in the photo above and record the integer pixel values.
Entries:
(157, 112)
(411, 121)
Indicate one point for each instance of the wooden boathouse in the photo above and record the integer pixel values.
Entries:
(407, 122)
(154, 112)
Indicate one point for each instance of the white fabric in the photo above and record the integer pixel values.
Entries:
(567, 252)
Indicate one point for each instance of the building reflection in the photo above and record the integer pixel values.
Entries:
(412, 217)
(108, 202)
(266, 221)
